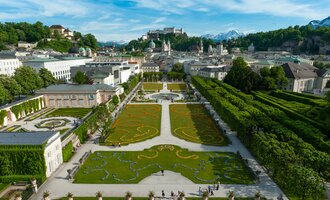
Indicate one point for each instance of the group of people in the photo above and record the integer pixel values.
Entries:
(210, 189)
(173, 195)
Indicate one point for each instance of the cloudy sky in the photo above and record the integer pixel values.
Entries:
(129, 19)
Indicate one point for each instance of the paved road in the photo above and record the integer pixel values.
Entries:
(58, 186)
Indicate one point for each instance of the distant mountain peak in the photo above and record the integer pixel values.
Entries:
(317, 23)
(232, 34)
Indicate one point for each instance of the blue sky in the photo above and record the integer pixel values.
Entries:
(129, 19)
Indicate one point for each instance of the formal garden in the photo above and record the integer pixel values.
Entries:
(191, 122)
(132, 166)
(69, 112)
(152, 86)
(177, 86)
(135, 124)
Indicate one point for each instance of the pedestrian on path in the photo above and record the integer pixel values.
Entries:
(199, 191)
(172, 194)
(212, 194)
(163, 193)
(209, 188)
(162, 172)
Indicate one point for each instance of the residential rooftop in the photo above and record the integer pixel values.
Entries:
(25, 138)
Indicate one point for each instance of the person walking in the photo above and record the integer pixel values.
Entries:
(209, 188)
(162, 172)
(163, 193)
(212, 194)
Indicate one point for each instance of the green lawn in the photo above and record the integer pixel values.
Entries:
(152, 86)
(117, 167)
(177, 86)
(191, 122)
(63, 130)
(69, 112)
(135, 124)
(3, 186)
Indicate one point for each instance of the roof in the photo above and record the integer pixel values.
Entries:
(150, 64)
(323, 72)
(55, 59)
(297, 71)
(56, 26)
(265, 62)
(25, 138)
(75, 87)
(214, 69)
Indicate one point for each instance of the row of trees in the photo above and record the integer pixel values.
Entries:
(304, 39)
(11, 33)
(24, 82)
(295, 165)
(244, 78)
(153, 76)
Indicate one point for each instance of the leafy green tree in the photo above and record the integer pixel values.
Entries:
(4, 94)
(11, 86)
(178, 67)
(28, 79)
(80, 78)
(47, 77)
(115, 100)
(241, 76)
(305, 183)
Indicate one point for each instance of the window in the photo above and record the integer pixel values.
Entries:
(49, 154)
(91, 97)
(73, 97)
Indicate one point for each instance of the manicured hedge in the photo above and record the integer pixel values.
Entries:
(266, 131)
(294, 97)
(67, 152)
(27, 107)
(22, 161)
(3, 114)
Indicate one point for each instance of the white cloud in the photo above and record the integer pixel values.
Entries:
(159, 20)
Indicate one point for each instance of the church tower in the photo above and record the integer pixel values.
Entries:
(201, 47)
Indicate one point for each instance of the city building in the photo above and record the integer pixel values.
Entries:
(9, 65)
(301, 77)
(150, 67)
(74, 95)
(218, 72)
(48, 142)
(294, 59)
(154, 34)
(262, 64)
(59, 67)
(64, 32)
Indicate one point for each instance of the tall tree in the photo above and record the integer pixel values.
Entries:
(4, 94)
(10, 84)
(241, 76)
(80, 78)
(47, 77)
(28, 78)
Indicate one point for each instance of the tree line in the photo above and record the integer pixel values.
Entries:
(24, 82)
(11, 33)
(305, 39)
(244, 78)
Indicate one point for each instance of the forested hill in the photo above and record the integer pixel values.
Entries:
(178, 42)
(301, 39)
(11, 33)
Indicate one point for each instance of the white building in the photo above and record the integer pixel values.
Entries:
(60, 68)
(150, 67)
(51, 142)
(218, 72)
(8, 66)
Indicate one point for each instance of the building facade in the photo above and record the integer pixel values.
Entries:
(78, 96)
(8, 66)
(60, 68)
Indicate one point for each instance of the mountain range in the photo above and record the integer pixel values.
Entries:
(317, 23)
(233, 34)
(110, 43)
